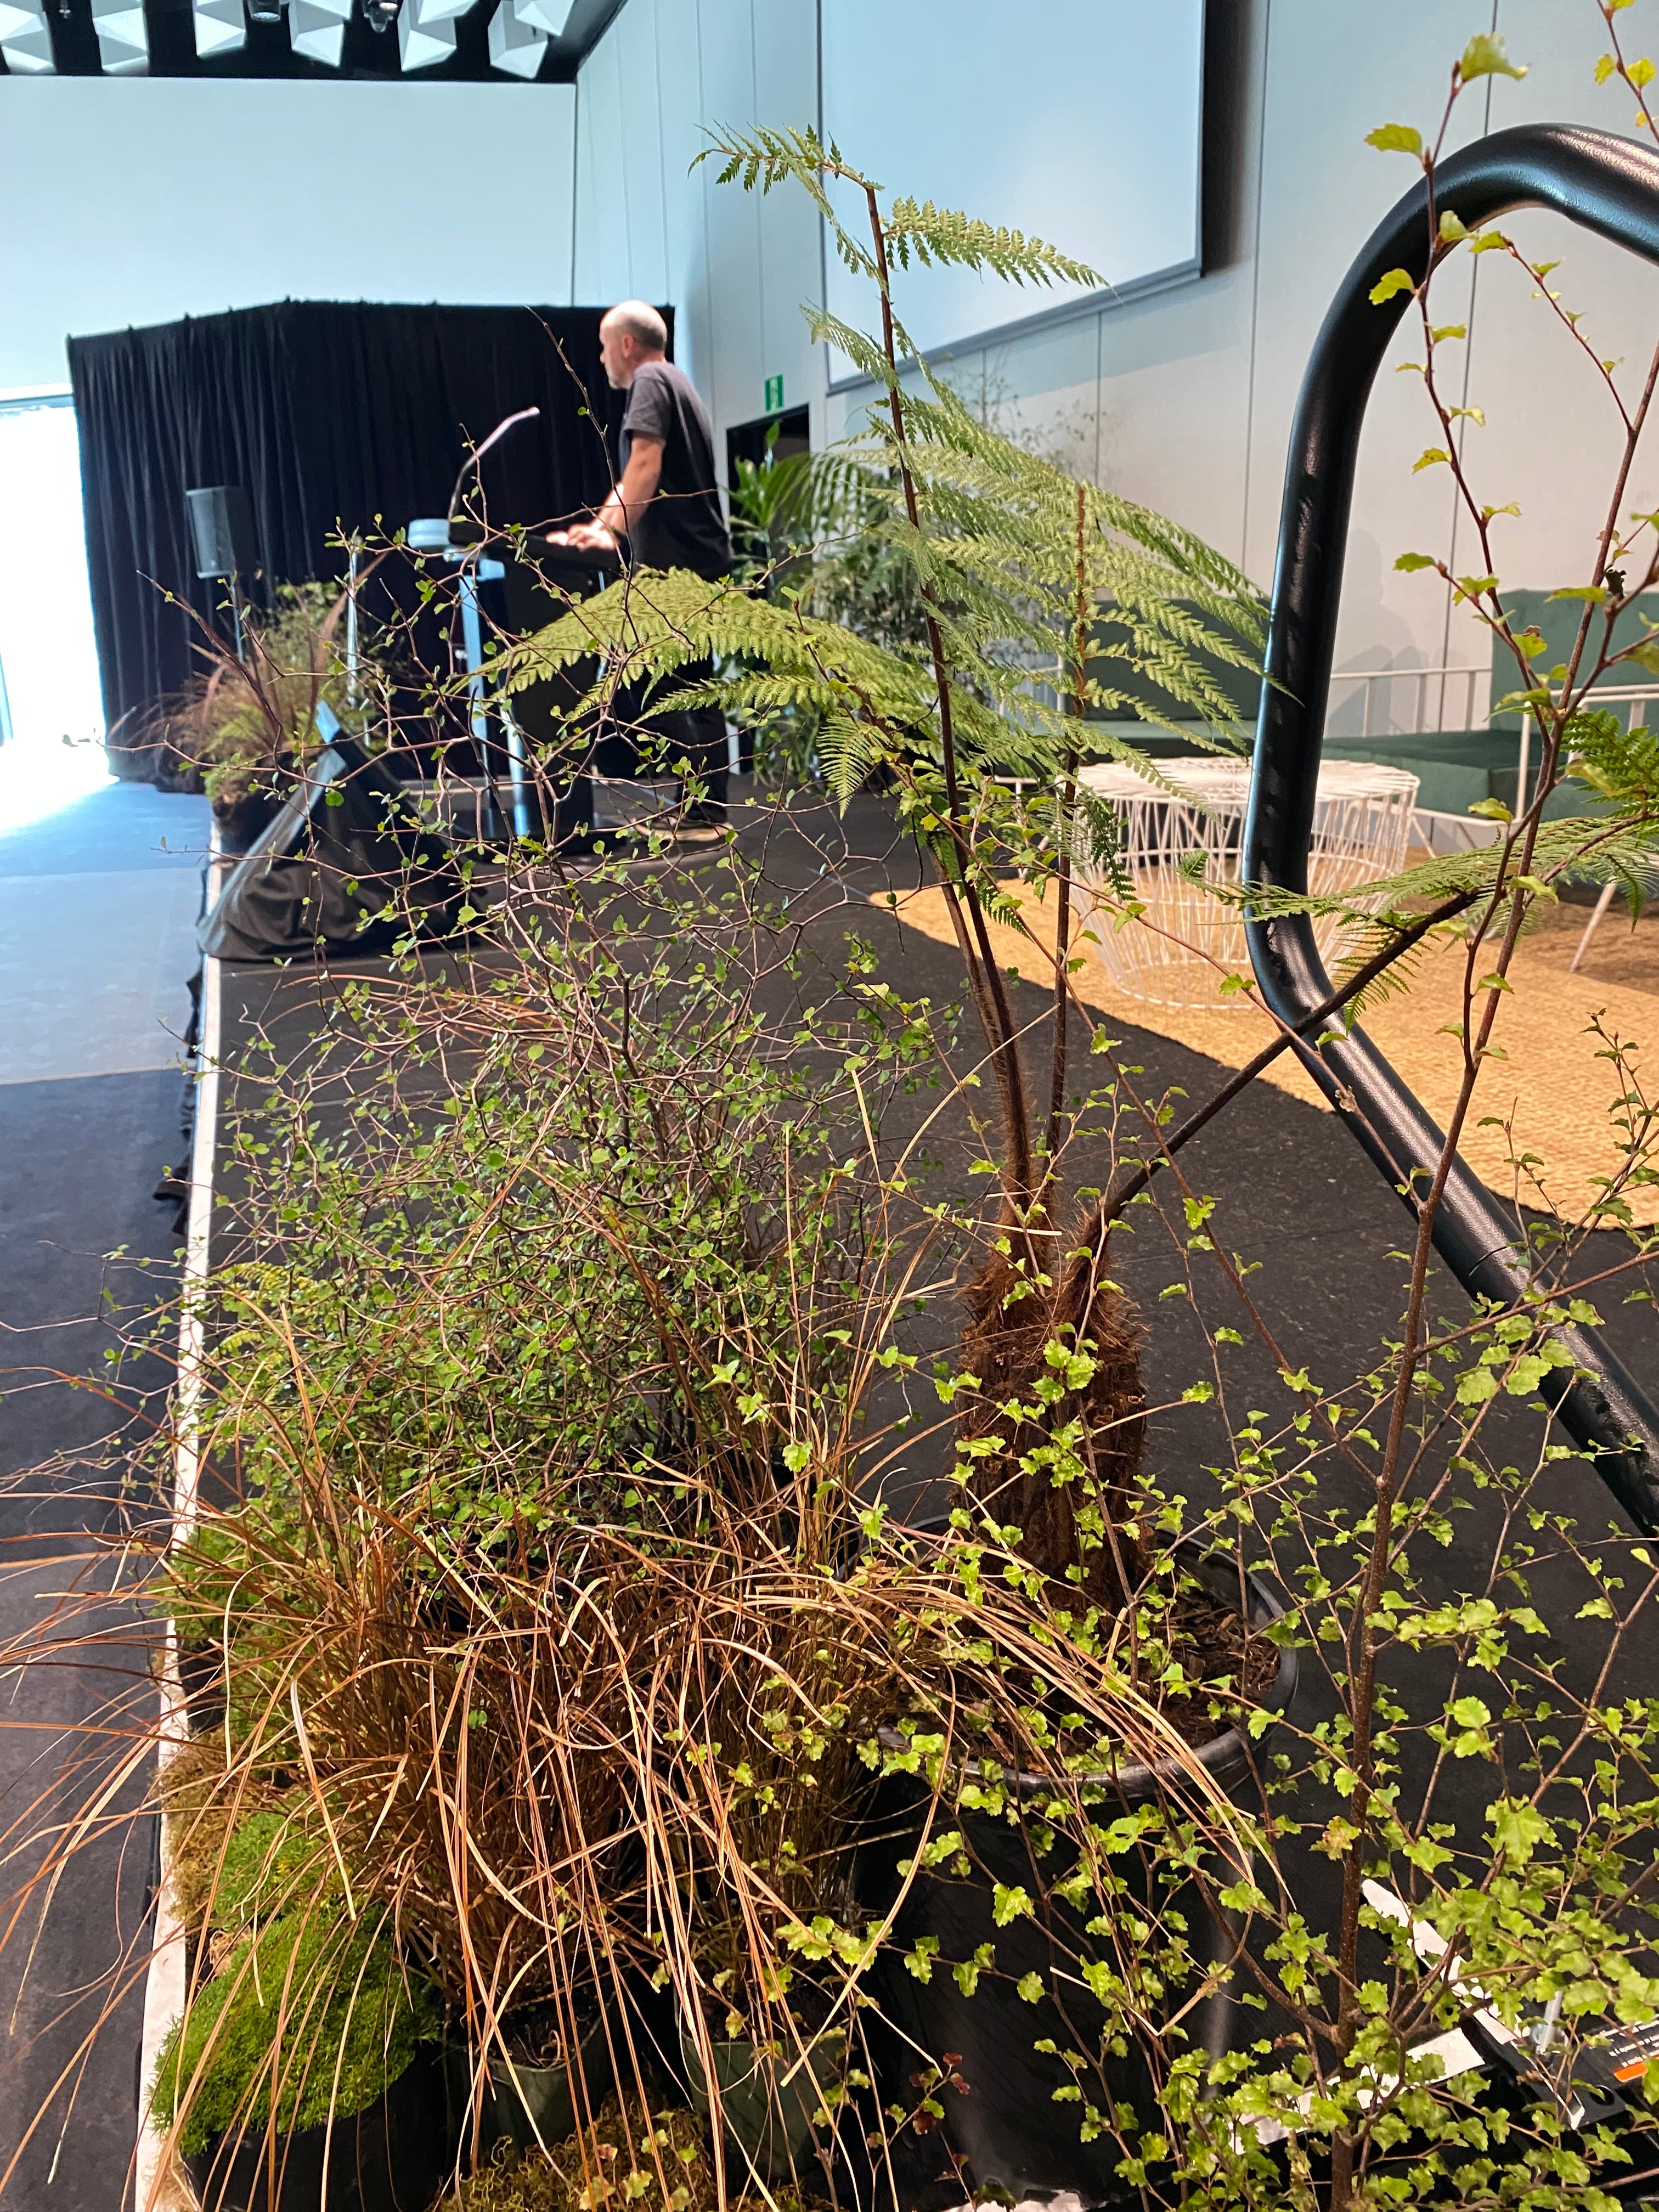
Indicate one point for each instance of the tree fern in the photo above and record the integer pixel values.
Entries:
(1013, 563)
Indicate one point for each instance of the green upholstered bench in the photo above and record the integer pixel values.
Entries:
(1455, 769)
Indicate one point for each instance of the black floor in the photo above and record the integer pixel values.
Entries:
(80, 1157)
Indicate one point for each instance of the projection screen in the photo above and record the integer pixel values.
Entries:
(1077, 121)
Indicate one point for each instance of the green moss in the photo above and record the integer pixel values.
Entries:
(269, 1864)
(315, 2007)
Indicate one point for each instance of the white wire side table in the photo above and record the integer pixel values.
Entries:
(1177, 953)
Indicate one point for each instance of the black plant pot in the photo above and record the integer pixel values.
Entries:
(391, 2157)
(1006, 2123)
(536, 2107)
(241, 822)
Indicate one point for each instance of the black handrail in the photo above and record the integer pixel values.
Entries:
(1608, 185)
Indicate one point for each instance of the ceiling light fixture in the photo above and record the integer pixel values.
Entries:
(548, 16)
(316, 28)
(123, 37)
(380, 15)
(220, 25)
(514, 45)
(25, 40)
(425, 36)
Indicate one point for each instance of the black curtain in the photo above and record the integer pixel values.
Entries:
(353, 417)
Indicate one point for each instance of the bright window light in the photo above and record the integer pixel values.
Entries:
(48, 661)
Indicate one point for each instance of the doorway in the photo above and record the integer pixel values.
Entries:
(51, 716)
(775, 436)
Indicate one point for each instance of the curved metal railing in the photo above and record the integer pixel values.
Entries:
(1609, 185)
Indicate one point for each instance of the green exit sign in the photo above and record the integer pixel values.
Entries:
(774, 394)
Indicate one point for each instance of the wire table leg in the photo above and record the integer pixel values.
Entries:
(1591, 927)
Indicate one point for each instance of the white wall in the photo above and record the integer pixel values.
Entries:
(736, 267)
(1184, 399)
(135, 200)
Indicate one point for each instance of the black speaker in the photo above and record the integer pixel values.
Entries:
(222, 523)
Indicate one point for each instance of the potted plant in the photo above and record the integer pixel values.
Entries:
(305, 2048)
(247, 722)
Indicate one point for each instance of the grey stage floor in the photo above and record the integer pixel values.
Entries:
(97, 911)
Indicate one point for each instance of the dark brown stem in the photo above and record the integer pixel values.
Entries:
(1128, 1182)
(1066, 802)
(1001, 1035)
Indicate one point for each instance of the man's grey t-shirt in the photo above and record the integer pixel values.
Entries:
(683, 527)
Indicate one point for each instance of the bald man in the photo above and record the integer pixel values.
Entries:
(665, 504)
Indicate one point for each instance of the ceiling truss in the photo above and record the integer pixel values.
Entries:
(498, 40)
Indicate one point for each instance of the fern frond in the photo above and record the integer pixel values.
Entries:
(950, 239)
(867, 358)
(1598, 847)
(1619, 764)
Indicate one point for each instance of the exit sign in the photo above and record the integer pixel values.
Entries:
(774, 394)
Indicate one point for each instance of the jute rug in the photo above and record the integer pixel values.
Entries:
(1556, 1089)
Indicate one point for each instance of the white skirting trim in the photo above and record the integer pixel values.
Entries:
(157, 2185)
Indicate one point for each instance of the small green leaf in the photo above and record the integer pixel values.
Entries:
(1395, 138)
(1592, 592)
(1428, 456)
(1489, 242)
(1397, 280)
(1452, 228)
(1008, 1904)
(1030, 1987)
(918, 1959)
(1483, 55)
(1476, 1387)
(1410, 561)
(1517, 1830)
